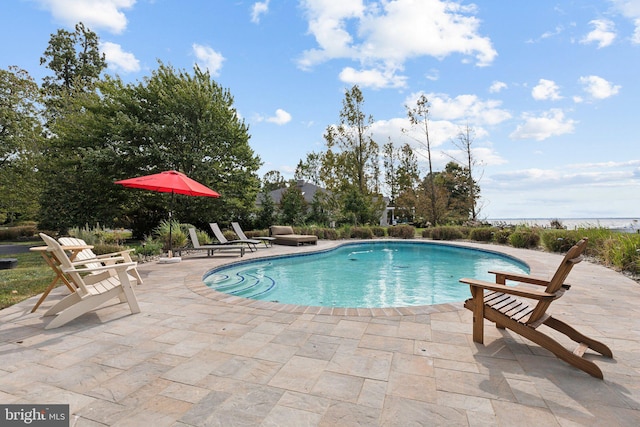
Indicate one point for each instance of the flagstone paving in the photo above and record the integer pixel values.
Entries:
(194, 357)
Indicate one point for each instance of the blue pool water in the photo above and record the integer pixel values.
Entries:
(372, 274)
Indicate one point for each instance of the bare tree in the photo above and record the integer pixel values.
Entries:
(464, 142)
(419, 118)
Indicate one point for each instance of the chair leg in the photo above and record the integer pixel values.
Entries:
(63, 304)
(576, 336)
(82, 307)
(128, 292)
(547, 342)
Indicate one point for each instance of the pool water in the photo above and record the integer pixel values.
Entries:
(372, 274)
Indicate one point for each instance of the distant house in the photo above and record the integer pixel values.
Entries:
(307, 189)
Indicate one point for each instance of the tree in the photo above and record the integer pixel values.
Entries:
(272, 180)
(171, 120)
(464, 142)
(75, 59)
(266, 212)
(293, 207)
(310, 169)
(20, 145)
(357, 157)
(350, 164)
(419, 118)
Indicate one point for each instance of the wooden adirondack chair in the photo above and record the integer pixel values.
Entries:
(100, 284)
(497, 302)
(98, 260)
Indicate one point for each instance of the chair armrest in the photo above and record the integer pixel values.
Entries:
(511, 290)
(507, 275)
(114, 254)
(121, 266)
(95, 260)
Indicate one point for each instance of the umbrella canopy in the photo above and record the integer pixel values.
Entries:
(169, 182)
(173, 182)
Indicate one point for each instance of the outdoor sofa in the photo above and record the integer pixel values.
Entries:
(284, 235)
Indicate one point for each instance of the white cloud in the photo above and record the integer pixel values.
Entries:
(376, 79)
(603, 33)
(550, 123)
(630, 9)
(94, 14)
(369, 34)
(598, 87)
(281, 117)
(546, 89)
(207, 58)
(497, 86)
(466, 108)
(258, 9)
(119, 59)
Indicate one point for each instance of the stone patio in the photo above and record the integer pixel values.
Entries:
(194, 357)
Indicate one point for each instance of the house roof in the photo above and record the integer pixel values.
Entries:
(307, 189)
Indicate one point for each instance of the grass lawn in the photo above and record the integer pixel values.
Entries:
(31, 277)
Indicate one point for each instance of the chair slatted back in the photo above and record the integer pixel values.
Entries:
(573, 257)
(58, 252)
(83, 254)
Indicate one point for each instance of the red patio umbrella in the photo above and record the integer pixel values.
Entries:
(173, 182)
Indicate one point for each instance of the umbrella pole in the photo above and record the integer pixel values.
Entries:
(170, 224)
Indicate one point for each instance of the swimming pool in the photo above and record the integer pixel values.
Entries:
(370, 274)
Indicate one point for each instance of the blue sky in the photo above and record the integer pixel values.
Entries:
(550, 87)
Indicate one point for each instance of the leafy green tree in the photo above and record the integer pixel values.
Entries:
(350, 164)
(20, 145)
(267, 211)
(356, 158)
(293, 207)
(457, 184)
(272, 180)
(309, 170)
(170, 121)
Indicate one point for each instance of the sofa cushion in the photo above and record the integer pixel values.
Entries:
(281, 229)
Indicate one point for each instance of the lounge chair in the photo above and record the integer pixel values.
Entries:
(209, 248)
(284, 235)
(103, 283)
(217, 232)
(496, 303)
(268, 241)
(104, 259)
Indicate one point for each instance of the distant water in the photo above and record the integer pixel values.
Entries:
(624, 225)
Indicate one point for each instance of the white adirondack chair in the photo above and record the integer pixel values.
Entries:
(98, 260)
(102, 283)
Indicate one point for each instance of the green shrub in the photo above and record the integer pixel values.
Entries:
(330, 233)
(525, 237)
(482, 234)
(378, 231)
(107, 248)
(502, 236)
(203, 237)
(361, 233)
(444, 233)
(559, 240)
(623, 252)
(17, 233)
(178, 236)
(149, 247)
(402, 231)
